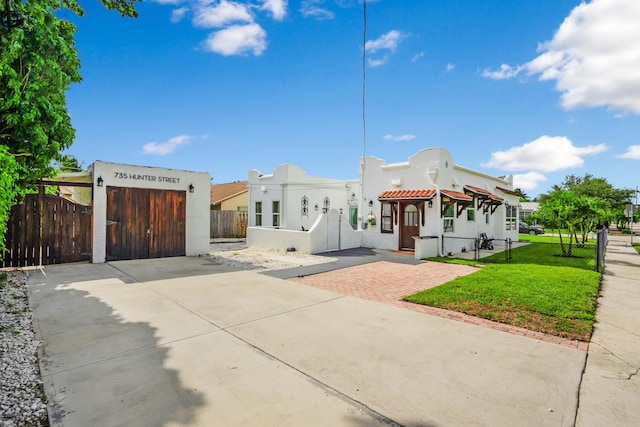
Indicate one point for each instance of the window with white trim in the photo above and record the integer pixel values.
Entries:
(471, 213)
(275, 212)
(258, 214)
(512, 216)
(449, 215)
(386, 219)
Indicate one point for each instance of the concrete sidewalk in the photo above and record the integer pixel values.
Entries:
(185, 342)
(610, 389)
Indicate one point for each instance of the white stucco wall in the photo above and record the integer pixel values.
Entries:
(288, 184)
(429, 169)
(432, 169)
(330, 232)
(121, 175)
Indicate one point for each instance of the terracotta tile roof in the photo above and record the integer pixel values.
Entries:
(477, 190)
(456, 195)
(221, 192)
(506, 191)
(496, 198)
(407, 194)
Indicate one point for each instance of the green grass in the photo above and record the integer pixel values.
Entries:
(555, 300)
(449, 260)
(637, 246)
(549, 254)
(538, 290)
(3, 278)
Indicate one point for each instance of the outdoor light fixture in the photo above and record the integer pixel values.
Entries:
(191, 188)
(430, 204)
(370, 203)
(100, 181)
(340, 211)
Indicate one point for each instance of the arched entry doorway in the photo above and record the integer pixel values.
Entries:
(409, 225)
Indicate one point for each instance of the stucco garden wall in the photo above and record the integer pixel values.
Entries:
(330, 232)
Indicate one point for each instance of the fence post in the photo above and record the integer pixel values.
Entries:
(601, 244)
(507, 249)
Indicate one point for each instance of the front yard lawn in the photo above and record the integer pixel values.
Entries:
(549, 254)
(538, 291)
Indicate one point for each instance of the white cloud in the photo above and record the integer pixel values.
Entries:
(237, 40)
(221, 14)
(178, 14)
(167, 147)
(311, 9)
(528, 181)
(449, 67)
(594, 57)
(405, 137)
(417, 56)
(173, 2)
(388, 41)
(378, 62)
(504, 72)
(633, 152)
(278, 8)
(545, 154)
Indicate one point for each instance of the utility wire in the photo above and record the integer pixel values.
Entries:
(364, 80)
(364, 92)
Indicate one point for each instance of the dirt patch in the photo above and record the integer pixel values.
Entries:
(572, 329)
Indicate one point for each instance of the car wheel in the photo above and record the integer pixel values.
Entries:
(532, 232)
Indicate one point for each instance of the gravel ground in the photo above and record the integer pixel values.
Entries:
(21, 398)
(261, 260)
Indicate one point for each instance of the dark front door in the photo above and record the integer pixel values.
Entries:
(145, 223)
(408, 226)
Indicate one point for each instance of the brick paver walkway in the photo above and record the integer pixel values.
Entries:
(388, 282)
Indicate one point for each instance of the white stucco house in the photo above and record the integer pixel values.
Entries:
(427, 204)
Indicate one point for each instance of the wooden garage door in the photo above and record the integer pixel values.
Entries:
(145, 223)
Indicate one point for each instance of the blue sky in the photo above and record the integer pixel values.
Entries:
(535, 88)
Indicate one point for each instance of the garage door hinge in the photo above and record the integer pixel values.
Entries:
(87, 254)
(87, 212)
(110, 222)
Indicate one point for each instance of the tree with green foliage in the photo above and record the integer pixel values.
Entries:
(523, 196)
(9, 190)
(580, 204)
(38, 62)
(613, 199)
(558, 211)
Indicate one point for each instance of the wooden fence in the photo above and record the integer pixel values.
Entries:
(45, 229)
(226, 224)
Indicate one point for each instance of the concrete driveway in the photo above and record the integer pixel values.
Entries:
(183, 341)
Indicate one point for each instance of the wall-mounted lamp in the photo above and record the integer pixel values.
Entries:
(370, 203)
(316, 207)
(430, 204)
(340, 211)
(100, 181)
(191, 188)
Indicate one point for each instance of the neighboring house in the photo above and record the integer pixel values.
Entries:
(80, 195)
(427, 199)
(229, 210)
(527, 209)
(233, 196)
